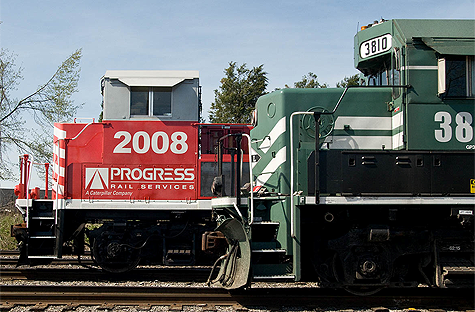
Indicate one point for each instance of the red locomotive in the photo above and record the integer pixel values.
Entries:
(141, 177)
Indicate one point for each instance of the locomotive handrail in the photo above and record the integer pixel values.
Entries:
(317, 117)
(261, 140)
(359, 86)
(238, 193)
(251, 220)
(80, 132)
(87, 118)
(292, 207)
(30, 169)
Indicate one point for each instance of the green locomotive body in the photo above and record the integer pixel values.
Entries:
(367, 187)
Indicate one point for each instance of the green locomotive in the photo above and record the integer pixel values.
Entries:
(367, 187)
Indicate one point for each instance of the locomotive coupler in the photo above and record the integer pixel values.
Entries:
(213, 242)
(20, 232)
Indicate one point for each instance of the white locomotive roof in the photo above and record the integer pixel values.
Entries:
(151, 78)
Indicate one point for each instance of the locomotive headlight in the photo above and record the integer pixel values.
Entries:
(254, 118)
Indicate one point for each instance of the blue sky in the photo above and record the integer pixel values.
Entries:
(291, 38)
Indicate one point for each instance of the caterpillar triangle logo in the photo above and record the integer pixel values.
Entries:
(97, 178)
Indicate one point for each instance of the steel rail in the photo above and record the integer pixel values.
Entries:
(270, 298)
(84, 274)
(118, 295)
(60, 261)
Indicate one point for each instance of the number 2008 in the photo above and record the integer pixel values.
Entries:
(142, 142)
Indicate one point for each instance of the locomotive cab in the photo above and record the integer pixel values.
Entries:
(151, 95)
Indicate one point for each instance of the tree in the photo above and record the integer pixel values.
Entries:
(50, 102)
(349, 81)
(309, 81)
(238, 93)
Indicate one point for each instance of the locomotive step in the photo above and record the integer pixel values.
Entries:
(274, 278)
(459, 270)
(272, 270)
(179, 257)
(264, 231)
(456, 273)
(179, 252)
(43, 236)
(264, 245)
(269, 251)
(266, 223)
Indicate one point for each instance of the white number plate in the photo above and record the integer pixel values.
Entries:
(376, 46)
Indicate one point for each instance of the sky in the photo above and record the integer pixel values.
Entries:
(291, 38)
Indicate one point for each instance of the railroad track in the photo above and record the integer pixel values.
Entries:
(175, 274)
(73, 269)
(10, 257)
(267, 298)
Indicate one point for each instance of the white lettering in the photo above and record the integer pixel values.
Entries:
(190, 175)
(165, 142)
(148, 174)
(168, 174)
(179, 173)
(125, 173)
(141, 142)
(120, 146)
(136, 176)
(136, 142)
(160, 173)
(463, 129)
(115, 172)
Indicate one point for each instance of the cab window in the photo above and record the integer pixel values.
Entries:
(139, 101)
(456, 76)
(160, 99)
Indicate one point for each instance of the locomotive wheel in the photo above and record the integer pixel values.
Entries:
(114, 256)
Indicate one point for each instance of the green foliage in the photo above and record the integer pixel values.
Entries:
(7, 218)
(349, 81)
(238, 93)
(309, 81)
(51, 102)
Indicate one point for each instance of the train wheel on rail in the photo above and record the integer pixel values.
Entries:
(115, 254)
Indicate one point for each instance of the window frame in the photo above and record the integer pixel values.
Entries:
(131, 91)
(469, 77)
(169, 90)
(150, 103)
(389, 74)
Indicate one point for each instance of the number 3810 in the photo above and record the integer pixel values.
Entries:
(463, 127)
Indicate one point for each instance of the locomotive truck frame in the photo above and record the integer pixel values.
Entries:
(362, 188)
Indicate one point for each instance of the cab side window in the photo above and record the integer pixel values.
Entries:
(160, 99)
(139, 101)
(457, 76)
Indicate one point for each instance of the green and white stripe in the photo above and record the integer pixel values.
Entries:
(367, 132)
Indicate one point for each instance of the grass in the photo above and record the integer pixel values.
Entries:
(9, 215)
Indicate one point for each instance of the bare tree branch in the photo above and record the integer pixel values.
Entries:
(50, 102)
